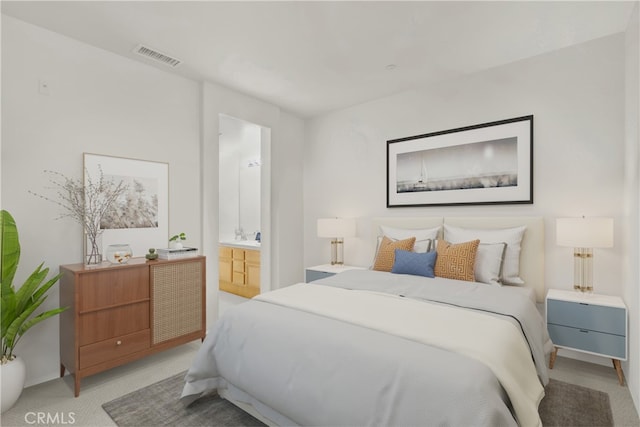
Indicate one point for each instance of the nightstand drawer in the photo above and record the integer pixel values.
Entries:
(311, 275)
(586, 340)
(598, 318)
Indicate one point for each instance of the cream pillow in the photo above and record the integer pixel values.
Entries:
(424, 236)
(512, 237)
(489, 262)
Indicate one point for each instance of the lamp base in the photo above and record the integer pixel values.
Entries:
(583, 269)
(337, 247)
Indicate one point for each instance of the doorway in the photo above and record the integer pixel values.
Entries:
(244, 200)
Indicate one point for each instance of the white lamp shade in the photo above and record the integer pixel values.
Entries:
(584, 232)
(336, 227)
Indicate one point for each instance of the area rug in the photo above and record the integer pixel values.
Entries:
(158, 405)
(567, 404)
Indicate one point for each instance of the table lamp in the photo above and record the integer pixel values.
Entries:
(584, 234)
(337, 229)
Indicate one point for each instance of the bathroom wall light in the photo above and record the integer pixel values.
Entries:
(337, 229)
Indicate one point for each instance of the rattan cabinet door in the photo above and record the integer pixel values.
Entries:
(177, 293)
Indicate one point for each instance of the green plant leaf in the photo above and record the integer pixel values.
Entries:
(14, 327)
(39, 318)
(44, 288)
(9, 249)
(25, 295)
(8, 309)
(18, 306)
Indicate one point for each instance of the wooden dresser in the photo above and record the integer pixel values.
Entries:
(120, 313)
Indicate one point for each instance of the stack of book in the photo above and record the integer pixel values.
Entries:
(184, 252)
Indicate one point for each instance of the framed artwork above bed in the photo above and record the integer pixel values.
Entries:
(489, 163)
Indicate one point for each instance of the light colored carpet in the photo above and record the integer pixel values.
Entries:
(55, 397)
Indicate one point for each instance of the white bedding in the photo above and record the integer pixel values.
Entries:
(372, 348)
(466, 333)
(528, 292)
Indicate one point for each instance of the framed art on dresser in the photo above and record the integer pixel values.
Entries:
(489, 163)
(141, 214)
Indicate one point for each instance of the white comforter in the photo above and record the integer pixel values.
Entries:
(316, 354)
(465, 333)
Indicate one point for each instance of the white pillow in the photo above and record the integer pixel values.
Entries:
(489, 263)
(511, 236)
(424, 237)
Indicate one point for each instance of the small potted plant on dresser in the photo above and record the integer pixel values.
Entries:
(175, 242)
(18, 307)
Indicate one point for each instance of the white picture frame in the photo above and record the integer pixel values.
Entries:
(149, 180)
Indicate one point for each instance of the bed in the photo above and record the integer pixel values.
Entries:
(378, 347)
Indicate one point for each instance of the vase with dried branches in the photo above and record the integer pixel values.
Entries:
(87, 203)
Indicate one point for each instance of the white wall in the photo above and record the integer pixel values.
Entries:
(577, 97)
(632, 199)
(106, 104)
(98, 103)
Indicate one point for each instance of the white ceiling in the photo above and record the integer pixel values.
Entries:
(313, 57)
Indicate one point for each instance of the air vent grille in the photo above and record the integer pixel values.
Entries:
(156, 56)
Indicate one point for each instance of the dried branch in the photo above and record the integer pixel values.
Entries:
(85, 202)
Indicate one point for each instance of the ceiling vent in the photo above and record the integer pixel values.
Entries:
(156, 56)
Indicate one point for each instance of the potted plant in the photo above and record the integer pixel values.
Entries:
(175, 242)
(18, 307)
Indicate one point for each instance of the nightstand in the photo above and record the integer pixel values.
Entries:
(326, 270)
(589, 323)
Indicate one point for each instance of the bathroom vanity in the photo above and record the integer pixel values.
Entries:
(239, 268)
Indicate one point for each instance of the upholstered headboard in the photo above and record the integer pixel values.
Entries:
(531, 254)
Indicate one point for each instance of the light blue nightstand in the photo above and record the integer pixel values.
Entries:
(326, 270)
(589, 323)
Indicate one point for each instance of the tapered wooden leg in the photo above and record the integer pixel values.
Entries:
(76, 384)
(616, 364)
(552, 358)
(62, 370)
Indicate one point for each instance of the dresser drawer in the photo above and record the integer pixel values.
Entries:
(587, 316)
(110, 323)
(311, 275)
(113, 287)
(114, 348)
(586, 340)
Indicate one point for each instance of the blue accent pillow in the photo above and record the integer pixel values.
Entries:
(417, 264)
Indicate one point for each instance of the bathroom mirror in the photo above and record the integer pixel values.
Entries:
(240, 164)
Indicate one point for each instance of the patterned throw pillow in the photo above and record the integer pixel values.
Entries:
(456, 261)
(386, 252)
(511, 236)
(414, 263)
